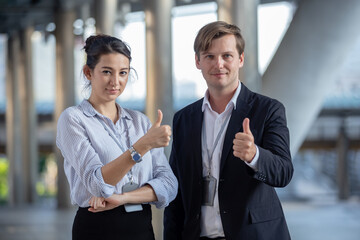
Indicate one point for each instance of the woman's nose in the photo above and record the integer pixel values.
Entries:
(114, 80)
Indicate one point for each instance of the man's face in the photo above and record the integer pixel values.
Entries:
(220, 64)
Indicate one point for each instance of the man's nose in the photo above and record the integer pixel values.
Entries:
(219, 62)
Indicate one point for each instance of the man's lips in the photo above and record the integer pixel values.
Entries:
(218, 74)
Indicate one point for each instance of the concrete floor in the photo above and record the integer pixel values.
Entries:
(308, 220)
(323, 220)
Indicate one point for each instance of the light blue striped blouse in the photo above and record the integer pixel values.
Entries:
(86, 146)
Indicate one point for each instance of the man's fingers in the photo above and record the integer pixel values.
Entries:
(246, 126)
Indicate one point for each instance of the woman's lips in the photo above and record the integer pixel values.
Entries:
(113, 91)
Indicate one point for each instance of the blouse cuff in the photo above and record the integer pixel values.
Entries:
(105, 190)
(160, 192)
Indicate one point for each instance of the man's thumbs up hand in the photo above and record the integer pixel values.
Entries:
(246, 126)
(244, 146)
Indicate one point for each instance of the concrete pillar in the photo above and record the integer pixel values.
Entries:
(243, 13)
(159, 59)
(342, 165)
(13, 122)
(224, 10)
(29, 120)
(105, 12)
(309, 58)
(65, 88)
(159, 72)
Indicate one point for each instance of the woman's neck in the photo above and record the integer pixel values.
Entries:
(108, 109)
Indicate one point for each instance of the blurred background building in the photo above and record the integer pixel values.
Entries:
(301, 52)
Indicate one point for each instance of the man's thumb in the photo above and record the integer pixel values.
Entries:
(246, 126)
(159, 119)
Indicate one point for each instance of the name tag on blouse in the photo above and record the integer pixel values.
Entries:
(128, 187)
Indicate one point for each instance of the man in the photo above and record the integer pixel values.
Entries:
(230, 149)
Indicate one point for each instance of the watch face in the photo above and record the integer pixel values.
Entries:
(136, 157)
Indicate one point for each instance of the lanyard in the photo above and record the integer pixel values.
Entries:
(102, 120)
(210, 154)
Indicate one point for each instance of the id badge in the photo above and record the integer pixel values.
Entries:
(209, 187)
(128, 187)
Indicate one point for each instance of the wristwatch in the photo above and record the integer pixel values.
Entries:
(135, 155)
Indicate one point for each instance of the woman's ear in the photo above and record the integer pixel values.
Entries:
(87, 72)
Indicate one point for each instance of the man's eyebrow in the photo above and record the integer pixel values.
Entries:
(207, 52)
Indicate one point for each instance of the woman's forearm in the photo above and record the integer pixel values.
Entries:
(141, 195)
(115, 170)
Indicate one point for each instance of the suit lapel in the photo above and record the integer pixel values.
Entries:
(235, 123)
(195, 141)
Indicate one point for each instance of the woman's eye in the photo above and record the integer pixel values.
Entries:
(106, 72)
(123, 72)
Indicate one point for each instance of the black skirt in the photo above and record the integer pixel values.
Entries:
(113, 224)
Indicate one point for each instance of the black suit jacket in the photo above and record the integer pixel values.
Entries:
(249, 206)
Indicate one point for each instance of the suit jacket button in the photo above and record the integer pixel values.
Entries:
(197, 216)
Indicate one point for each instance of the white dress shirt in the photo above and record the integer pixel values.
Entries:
(211, 225)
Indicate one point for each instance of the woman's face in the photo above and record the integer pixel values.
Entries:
(109, 77)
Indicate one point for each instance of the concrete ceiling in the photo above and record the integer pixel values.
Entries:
(19, 14)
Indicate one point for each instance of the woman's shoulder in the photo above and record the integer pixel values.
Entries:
(135, 114)
(73, 112)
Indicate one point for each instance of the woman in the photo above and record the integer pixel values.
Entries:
(113, 157)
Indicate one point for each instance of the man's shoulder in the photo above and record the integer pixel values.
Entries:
(189, 109)
(258, 99)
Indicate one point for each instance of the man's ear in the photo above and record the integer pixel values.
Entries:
(197, 61)
(241, 60)
(87, 72)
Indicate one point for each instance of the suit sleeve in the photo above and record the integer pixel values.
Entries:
(174, 213)
(274, 165)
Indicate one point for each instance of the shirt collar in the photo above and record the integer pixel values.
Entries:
(231, 102)
(90, 111)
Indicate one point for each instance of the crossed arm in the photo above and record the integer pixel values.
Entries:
(140, 195)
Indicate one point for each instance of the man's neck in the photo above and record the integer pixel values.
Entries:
(218, 101)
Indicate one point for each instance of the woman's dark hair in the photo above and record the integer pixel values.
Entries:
(98, 45)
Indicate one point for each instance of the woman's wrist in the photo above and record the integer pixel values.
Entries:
(125, 198)
(141, 148)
